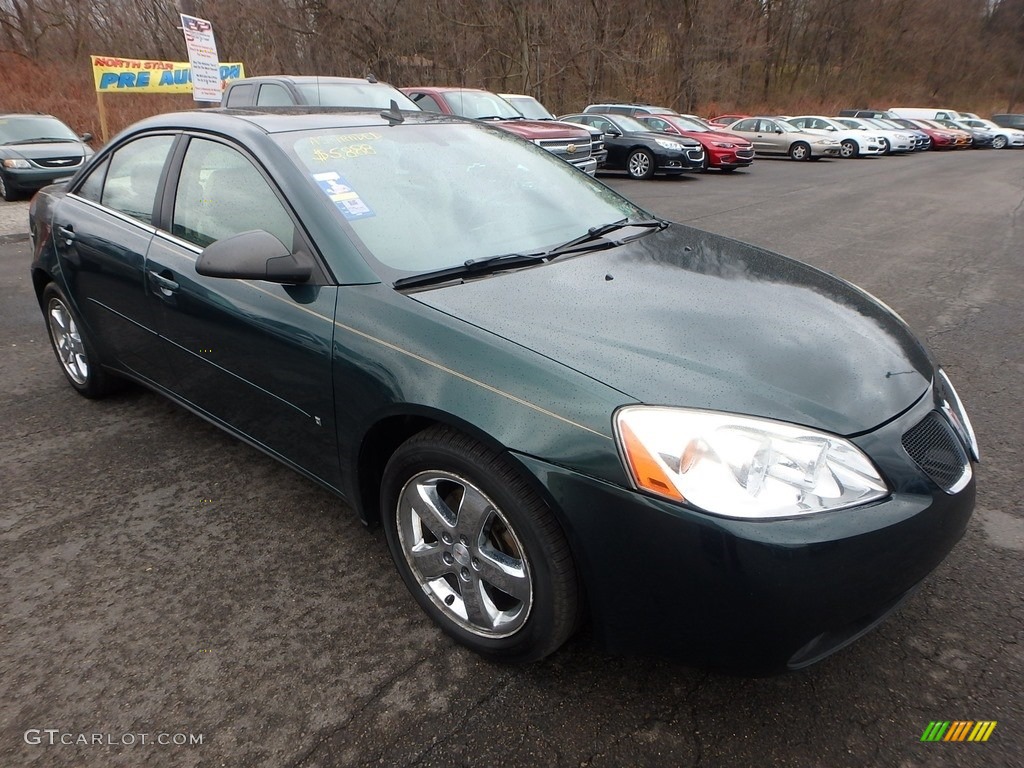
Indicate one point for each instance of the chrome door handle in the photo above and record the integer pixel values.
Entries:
(166, 285)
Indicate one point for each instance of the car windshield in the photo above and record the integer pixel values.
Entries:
(423, 197)
(626, 123)
(786, 126)
(31, 127)
(530, 108)
(878, 122)
(369, 95)
(683, 124)
(479, 104)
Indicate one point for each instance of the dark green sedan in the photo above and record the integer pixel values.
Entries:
(561, 409)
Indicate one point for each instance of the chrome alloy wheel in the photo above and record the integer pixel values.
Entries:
(464, 554)
(67, 341)
(639, 165)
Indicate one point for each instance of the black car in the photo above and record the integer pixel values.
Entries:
(37, 150)
(633, 147)
(718, 452)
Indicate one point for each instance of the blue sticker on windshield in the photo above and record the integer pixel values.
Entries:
(343, 196)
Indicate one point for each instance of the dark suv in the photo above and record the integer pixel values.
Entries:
(628, 109)
(1011, 120)
(312, 91)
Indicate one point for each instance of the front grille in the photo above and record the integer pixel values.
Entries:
(936, 449)
(561, 147)
(745, 154)
(58, 162)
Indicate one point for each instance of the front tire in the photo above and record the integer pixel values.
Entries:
(640, 164)
(999, 142)
(7, 192)
(74, 350)
(800, 150)
(886, 146)
(848, 149)
(480, 551)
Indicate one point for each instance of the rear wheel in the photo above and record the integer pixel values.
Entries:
(73, 349)
(640, 164)
(848, 149)
(481, 553)
(800, 150)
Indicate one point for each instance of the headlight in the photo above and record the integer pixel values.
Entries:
(826, 141)
(669, 144)
(724, 144)
(16, 162)
(740, 466)
(954, 409)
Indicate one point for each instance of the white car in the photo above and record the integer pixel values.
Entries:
(851, 143)
(1005, 138)
(893, 139)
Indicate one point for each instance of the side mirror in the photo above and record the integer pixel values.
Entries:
(778, 131)
(613, 132)
(252, 255)
(86, 137)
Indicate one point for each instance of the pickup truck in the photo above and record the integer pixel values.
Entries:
(572, 143)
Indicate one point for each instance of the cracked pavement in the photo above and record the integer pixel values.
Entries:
(160, 577)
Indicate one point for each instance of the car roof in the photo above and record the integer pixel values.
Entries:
(283, 120)
(304, 79)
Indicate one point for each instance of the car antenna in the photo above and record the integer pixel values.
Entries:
(371, 78)
(393, 114)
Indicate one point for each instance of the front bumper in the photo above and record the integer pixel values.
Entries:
(719, 157)
(754, 596)
(588, 166)
(36, 178)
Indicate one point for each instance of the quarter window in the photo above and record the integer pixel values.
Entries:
(273, 95)
(221, 193)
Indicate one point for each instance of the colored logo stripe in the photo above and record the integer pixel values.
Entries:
(958, 730)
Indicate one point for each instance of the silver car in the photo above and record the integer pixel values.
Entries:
(771, 136)
(1003, 138)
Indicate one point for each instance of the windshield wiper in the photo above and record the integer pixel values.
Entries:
(492, 264)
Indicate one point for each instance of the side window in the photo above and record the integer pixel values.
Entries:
(220, 193)
(92, 187)
(274, 95)
(605, 125)
(744, 125)
(426, 102)
(134, 175)
(240, 95)
(657, 123)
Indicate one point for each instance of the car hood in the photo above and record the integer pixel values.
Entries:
(685, 317)
(656, 135)
(46, 150)
(543, 129)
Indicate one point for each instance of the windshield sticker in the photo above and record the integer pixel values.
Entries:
(343, 196)
(343, 145)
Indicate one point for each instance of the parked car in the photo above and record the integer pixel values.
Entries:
(851, 143)
(981, 137)
(921, 140)
(724, 151)
(532, 109)
(1009, 121)
(634, 110)
(771, 136)
(571, 143)
(893, 140)
(961, 139)
(370, 298)
(316, 91)
(1003, 138)
(941, 138)
(641, 152)
(37, 150)
(924, 113)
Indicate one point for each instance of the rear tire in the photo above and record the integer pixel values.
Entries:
(479, 550)
(73, 348)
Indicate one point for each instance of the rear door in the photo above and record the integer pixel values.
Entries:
(251, 354)
(103, 228)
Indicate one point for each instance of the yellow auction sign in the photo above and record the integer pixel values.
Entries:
(113, 74)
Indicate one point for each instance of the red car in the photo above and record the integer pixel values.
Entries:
(572, 143)
(942, 138)
(726, 119)
(725, 151)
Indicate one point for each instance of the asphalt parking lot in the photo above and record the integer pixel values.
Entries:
(161, 581)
